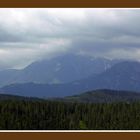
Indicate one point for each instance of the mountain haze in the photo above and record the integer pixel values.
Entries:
(121, 76)
(58, 70)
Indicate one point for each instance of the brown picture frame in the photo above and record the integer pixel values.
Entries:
(37, 135)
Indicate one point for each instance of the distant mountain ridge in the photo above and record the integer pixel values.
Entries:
(8, 97)
(62, 69)
(104, 96)
(122, 76)
(95, 96)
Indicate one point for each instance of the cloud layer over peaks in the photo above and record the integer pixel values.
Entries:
(27, 35)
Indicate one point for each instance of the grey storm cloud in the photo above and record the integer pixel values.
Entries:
(27, 35)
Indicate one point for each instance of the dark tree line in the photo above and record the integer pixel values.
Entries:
(54, 115)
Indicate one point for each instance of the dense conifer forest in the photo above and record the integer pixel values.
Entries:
(56, 115)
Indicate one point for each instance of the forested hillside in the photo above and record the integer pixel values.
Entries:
(54, 115)
(103, 96)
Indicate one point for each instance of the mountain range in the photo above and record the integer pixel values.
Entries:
(61, 69)
(124, 75)
(121, 76)
(95, 96)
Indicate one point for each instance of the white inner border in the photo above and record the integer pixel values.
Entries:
(72, 130)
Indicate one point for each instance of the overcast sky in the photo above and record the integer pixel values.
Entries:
(27, 35)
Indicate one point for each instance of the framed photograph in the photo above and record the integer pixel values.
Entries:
(70, 69)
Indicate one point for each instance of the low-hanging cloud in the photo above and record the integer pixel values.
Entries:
(27, 35)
